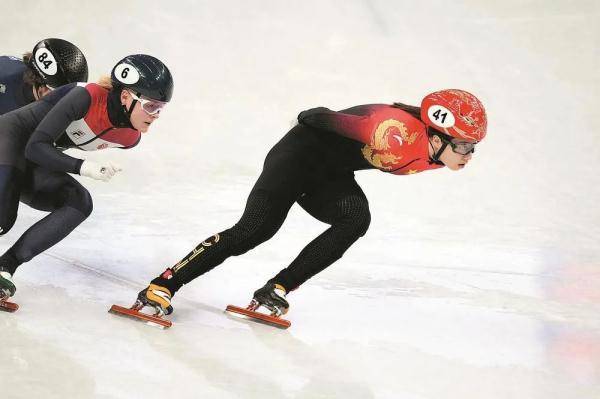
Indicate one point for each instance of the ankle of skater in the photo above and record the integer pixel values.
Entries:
(168, 280)
(9, 262)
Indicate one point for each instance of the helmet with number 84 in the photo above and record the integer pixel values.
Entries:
(456, 113)
(59, 62)
(145, 76)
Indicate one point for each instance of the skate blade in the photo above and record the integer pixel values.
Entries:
(137, 315)
(259, 317)
(6, 306)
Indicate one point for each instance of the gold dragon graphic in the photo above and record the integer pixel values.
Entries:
(378, 152)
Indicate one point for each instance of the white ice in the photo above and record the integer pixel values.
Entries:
(483, 283)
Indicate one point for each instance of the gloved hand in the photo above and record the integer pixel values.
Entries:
(305, 114)
(100, 171)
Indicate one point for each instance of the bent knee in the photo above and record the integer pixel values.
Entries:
(7, 221)
(355, 216)
(244, 236)
(81, 199)
(363, 223)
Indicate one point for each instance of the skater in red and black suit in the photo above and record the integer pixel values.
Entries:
(314, 165)
(87, 116)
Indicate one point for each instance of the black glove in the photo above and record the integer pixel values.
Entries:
(302, 116)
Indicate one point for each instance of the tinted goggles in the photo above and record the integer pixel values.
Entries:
(462, 147)
(459, 147)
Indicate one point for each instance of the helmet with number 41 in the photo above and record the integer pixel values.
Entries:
(456, 113)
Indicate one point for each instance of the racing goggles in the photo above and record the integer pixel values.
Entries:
(461, 147)
(151, 107)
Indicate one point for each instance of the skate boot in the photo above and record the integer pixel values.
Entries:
(7, 287)
(272, 297)
(156, 297)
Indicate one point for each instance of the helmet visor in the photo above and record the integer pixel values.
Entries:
(151, 107)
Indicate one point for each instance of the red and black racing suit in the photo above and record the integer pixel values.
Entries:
(313, 165)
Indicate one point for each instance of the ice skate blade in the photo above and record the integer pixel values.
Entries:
(259, 317)
(137, 315)
(6, 306)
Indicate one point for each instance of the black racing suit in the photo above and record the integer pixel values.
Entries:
(313, 167)
(14, 92)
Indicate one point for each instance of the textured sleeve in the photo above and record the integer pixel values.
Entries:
(40, 147)
(348, 125)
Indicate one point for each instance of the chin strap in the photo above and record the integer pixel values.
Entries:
(435, 158)
(118, 113)
(130, 110)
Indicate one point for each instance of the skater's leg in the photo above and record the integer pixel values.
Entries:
(343, 205)
(277, 188)
(11, 179)
(12, 172)
(262, 218)
(10, 188)
(68, 202)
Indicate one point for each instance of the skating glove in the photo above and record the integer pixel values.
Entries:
(100, 171)
(302, 116)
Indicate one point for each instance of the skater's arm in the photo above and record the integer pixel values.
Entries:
(40, 148)
(352, 126)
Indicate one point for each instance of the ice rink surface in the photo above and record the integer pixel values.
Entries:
(483, 283)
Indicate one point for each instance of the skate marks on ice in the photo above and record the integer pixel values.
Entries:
(231, 363)
(464, 290)
(113, 278)
(255, 362)
(420, 374)
(29, 360)
(96, 357)
(133, 288)
(131, 312)
(183, 310)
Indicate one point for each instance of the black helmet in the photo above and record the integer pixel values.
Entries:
(145, 75)
(59, 62)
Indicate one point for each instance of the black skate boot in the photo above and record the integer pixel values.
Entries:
(7, 287)
(272, 297)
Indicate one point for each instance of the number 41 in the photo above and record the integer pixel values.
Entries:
(437, 115)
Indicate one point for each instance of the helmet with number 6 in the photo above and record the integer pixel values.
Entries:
(59, 62)
(144, 75)
(455, 113)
